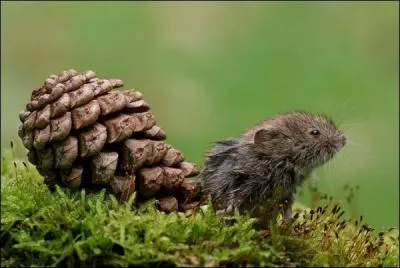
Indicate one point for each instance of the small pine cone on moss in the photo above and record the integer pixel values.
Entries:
(82, 132)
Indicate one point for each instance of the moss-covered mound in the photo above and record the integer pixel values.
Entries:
(39, 228)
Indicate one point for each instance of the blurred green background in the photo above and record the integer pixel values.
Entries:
(211, 70)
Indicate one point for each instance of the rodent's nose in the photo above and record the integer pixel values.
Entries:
(343, 139)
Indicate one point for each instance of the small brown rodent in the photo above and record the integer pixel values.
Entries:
(261, 170)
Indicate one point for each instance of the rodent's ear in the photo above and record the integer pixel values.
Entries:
(264, 135)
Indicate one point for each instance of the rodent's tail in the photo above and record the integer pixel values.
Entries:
(217, 171)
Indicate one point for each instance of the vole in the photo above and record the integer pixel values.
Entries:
(260, 171)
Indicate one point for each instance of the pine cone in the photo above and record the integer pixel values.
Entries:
(83, 133)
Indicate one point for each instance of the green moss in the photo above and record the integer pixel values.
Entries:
(74, 228)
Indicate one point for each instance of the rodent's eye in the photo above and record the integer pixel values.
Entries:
(315, 132)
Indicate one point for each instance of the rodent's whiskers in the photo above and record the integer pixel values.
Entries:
(338, 111)
(365, 149)
(356, 123)
(344, 161)
(314, 178)
(362, 150)
(350, 126)
(329, 176)
(353, 143)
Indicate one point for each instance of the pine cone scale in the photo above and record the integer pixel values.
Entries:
(85, 115)
(66, 152)
(43, 117)
(112, 103)
(61, 127)
(41, 137)
(61, 106)
(72, 177)
(104, 166)
(82, 95)
(92, 141)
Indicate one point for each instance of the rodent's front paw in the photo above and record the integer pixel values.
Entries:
(227, 215)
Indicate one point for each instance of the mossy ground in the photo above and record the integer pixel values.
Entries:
(40, 228)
